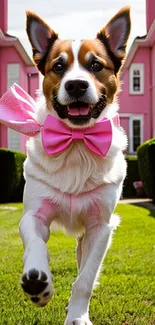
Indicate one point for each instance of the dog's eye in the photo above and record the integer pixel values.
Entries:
(58, 67)
(96, 66)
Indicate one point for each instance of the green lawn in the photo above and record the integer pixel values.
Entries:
(126, 295)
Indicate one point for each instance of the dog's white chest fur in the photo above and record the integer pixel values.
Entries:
(70, 180)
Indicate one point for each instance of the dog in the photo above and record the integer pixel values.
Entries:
(74, 184)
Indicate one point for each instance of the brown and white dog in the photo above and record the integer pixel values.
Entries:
(76, 188)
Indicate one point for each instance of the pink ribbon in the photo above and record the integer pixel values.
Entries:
(17, 111)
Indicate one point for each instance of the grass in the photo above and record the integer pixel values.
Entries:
(126, 295)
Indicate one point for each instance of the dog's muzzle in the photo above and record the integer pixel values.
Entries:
(79, 111)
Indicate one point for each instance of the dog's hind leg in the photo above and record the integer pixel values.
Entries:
(94, 246)
(36, 280)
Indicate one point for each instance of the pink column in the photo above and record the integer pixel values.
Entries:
(150, 13)
(4, 15)
(3, 136)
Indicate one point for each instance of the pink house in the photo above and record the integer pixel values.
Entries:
(15, 66)
(137, 98)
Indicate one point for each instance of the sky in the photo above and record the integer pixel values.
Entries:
(74, 18)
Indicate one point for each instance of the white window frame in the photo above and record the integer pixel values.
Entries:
(140, 67)
(131, 119)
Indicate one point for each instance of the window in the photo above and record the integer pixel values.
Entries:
(13, 76)
(136, 76)
(135, 132)
(13, 140)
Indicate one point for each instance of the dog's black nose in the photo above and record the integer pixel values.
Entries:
(76, 88)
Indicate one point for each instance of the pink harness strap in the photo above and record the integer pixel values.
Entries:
(71, 203)
(49, 209)
(46, 211)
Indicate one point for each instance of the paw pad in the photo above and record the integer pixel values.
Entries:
(34, 284)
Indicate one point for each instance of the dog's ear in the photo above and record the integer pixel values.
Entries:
(41, 37)
(115, 35)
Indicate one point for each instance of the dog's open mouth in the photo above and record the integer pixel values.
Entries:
(79, 112)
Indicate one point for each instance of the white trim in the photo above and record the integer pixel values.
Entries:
(140, 68)
(131, 119)
(125, 115)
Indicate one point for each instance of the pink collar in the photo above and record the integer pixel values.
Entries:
(17, 111)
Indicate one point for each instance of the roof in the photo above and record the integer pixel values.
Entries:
(8, 40)
(144, 41)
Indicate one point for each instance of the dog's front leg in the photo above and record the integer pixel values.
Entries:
(36, 279)
(94, 246)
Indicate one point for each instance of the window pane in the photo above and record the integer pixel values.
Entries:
(136, 126)
(136, 83)
(136, 73)
(136, 143)
(136, 134)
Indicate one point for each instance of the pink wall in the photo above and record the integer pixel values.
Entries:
(125, 124)
(33, 80)
(138, 104)
(29, 79)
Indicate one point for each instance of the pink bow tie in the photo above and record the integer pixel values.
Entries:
(56, 136)
(17, 111)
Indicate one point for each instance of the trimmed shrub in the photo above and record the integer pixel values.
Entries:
(146, 163)
(12, 180)
(11, 175)
(132, 176)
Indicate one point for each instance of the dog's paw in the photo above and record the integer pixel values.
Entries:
(37, 285)
(79, 321)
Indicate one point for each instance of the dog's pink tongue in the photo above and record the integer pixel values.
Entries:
(74, 111)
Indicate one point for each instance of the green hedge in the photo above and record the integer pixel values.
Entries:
(12, 181)
(11, 175)
(146, 163)
(132, 176)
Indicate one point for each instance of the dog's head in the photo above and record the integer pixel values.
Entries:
(80, 77)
